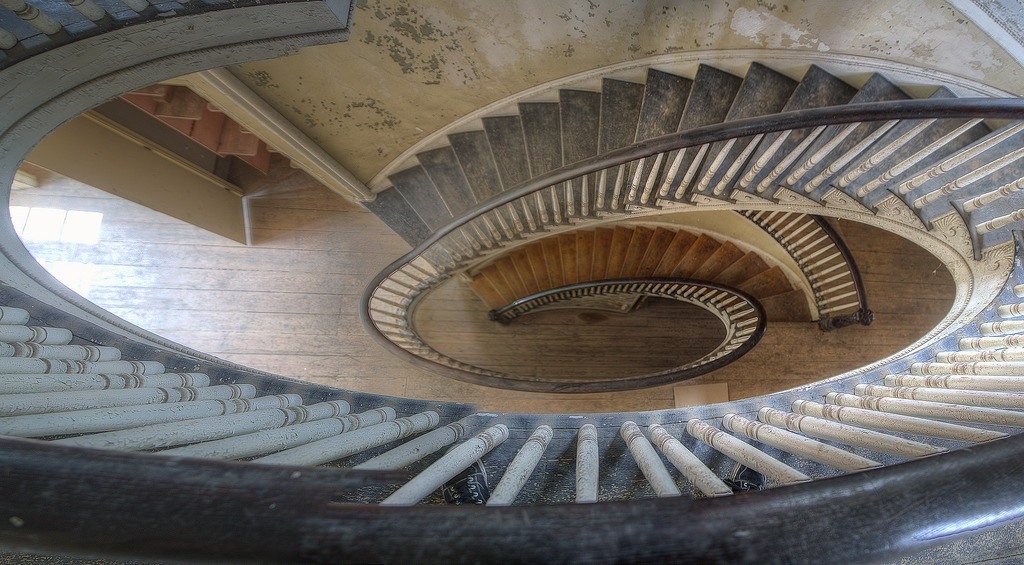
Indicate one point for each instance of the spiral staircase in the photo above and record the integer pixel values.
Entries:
(118, 443)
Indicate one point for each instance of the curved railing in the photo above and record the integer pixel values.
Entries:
(743, 317)
(391, 297)
(41, 26)
(825, 260)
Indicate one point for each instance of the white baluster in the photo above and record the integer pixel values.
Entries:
(106, 419)
(271, 441)
(35, 334)
(449, 465)
(521, 467)
(975, 368)
(588, 464)
(10, 315)
(798, 444)
(688, 464)
(38, 403)
(43, 383)
(69, 352)
(894, 422)
(846, 434)
(357, 441)
(928, 409)
(745, 453)
(648, 461)
(968, 397)
(415, 449)
(962, 382)
(170, 434)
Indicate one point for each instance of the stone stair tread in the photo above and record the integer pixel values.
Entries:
(445, 172)
(580, 119)
(817, 89)
(876, 89)
(763, 91)
(709, 102)
(620, 113)
(393, 209)
(419, 191)
(476, 158)
(542, 132)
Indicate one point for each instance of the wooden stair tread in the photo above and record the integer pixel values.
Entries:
(768, 283)
(695, 256)
(721, 259)
(742, 269)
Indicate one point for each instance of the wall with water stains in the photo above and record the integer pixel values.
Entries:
(412, 67)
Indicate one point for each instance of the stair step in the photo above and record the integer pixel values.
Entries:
(620, 112)
(788, 306)
(584, 255)
(508, 149)
(763, 91)
(419, 191)
(659, 244)
(817, 89)
(445, 172)
(542, 129)
(742, 269)
(696, 254)
(635, 252)
(769, 283)
(674, 253)
(721, 259)
(602, 250)
(709, 102)
(836, 141)
(580, 115)
(476, 160)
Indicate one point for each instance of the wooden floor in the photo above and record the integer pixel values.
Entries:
(288, 303)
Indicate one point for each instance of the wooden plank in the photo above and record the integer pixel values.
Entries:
(721, 259)
(508, 270)
(260, 161)
(617, 253)
(553, 261)
(498, 281)
(702, 248)
(486, 291)
(659, 243)
(567, 248)
(636, 251)
(535, 251)
(584, 255)
(602, 247)
(521, 260)
(677, 249)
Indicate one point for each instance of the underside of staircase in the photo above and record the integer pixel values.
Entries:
(118, 443)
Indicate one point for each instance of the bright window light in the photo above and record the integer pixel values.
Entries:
(81, 227)
(55, 224)
(76, 276)
(44, 224)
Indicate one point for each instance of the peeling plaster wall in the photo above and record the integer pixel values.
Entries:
(409, 68)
